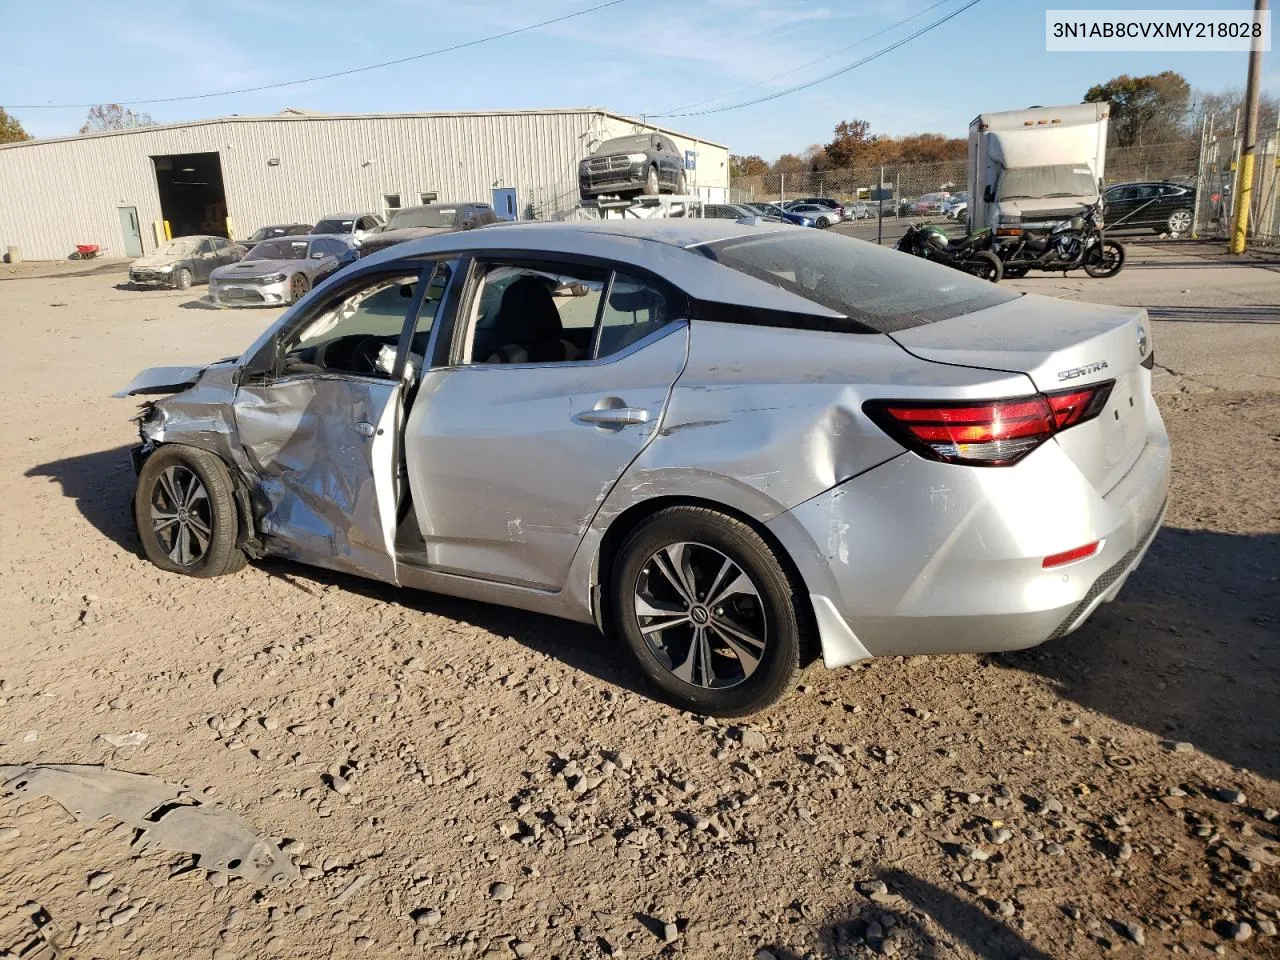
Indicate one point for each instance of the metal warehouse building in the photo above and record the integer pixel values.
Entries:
(233, 174)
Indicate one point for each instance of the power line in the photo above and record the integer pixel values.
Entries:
(835, 73)
(760, 83)
(328, 76)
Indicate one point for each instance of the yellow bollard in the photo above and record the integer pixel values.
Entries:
(1240, 221)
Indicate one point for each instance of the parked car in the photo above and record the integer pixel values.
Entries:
(355, 225)
(773, 211)
(820, 201)
(642, 163)
(929, 203)
(1164, 207)
(425, 221)
(542, 416)
(280, 270)
(956, 201)
(182, 261)
(821, 216)
(728, 211)
(858, 210)
(277, 230)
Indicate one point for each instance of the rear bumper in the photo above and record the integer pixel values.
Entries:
(921, 558)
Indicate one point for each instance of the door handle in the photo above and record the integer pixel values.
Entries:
(613, 416)
(365, 429)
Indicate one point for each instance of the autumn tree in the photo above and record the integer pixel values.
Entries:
(112, 116)
(1148, 109)
(848, 143)
(750, 166)
(10, 129)
(790, 164)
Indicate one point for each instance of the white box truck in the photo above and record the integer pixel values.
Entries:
(1030, 169)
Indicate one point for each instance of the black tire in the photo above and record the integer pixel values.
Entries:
(1015, 272)
(182, 279)
(776, 610)
(985, 266)
(167, 470)
(75, 256)
(298, 287)
(682, 184)
(651, 188)
(1106, 260)
(822, 223)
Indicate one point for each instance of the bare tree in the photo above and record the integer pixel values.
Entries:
(112, 116)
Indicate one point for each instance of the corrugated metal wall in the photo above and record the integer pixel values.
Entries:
(56, 194)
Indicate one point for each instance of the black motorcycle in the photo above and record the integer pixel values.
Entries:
(971, 254)
(1070, 245)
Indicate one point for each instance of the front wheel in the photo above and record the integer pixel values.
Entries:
(651, 183)
(298, 287)
(185, 511)
(985, 266)
(1105, 260)
(182, 279)
(708, 613)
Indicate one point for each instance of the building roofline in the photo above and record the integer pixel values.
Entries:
(292, 115)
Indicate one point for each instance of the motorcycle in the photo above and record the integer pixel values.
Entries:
(970, 254)
(1070, 245)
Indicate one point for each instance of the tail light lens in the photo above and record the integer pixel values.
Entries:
(989, 433)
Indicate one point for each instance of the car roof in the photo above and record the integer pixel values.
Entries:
(347, 216)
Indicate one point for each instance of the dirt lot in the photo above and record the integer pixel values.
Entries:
(506, 789)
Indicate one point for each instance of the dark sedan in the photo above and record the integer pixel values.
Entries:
(1163, 207)
(412, 223)
(643, 163)
(278, 230)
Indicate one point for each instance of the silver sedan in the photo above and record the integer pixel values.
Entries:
(279, 271)
(734, 447)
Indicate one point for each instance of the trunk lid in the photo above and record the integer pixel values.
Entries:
(1060, 345)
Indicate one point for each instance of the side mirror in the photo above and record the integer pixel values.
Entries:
(318, 255)
(989, 194)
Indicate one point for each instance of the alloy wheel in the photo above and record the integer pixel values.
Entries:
(1179, 221)
(701, 615)
(298, 287)
(181, 515)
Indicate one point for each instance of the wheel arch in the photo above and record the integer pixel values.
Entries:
(621, 526)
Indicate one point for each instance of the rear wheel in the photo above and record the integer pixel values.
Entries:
(823, 223)
(1179, 222)
(185, 511)
(1105, 260)
(182, 279)
(708, 613)
(682, 184)
(985, 266)
(651, 183)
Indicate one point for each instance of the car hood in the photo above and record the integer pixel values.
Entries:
(254, 268)
(160, 260)
(161, 380)
(1050, 208)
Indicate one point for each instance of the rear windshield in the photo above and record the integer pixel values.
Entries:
(877, 287)
(424, 217)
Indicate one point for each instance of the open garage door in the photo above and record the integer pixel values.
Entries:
(192, 199)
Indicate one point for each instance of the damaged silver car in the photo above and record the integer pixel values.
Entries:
(733, 447)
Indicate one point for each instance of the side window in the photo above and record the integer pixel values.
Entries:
(526, 314)
(219, 244)
(205, 248)
(632, 311)
(355, 333)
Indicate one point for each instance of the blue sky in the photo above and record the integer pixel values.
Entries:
(641, 56)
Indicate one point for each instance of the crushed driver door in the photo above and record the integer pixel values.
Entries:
(321, 427)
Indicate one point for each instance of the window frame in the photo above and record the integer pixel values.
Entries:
(450, 347)
(267, 364)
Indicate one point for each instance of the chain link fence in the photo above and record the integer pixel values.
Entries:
(883, 200)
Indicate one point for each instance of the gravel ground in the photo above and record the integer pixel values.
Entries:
(461, 780)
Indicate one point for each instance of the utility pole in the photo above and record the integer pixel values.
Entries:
(1249, 139)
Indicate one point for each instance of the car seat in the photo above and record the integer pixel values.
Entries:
(528, 325)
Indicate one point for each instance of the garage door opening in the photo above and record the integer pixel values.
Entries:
(192, 199)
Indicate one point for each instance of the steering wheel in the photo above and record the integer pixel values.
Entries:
(354, 354)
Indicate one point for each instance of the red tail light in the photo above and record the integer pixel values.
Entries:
(990, 433)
